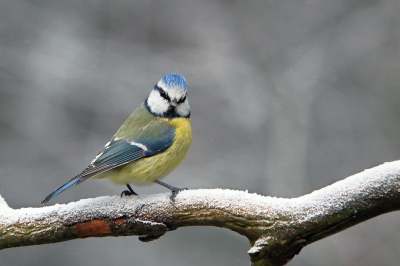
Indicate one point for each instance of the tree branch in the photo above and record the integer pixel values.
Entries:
(277, 228)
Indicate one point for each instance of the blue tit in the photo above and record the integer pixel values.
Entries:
(151, 143)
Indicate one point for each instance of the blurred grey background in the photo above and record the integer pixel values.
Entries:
(287, 97)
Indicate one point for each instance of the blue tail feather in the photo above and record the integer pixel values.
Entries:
(66, 186)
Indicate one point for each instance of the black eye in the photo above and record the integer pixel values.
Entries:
(164, 95)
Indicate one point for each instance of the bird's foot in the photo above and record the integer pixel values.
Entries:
(174, 190)
(174, 193)
(128, 192)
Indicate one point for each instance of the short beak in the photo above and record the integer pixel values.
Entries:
(174, 102)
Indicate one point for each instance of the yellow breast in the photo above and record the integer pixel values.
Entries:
(146, 170)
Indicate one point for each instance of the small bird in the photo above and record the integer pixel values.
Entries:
(151, 143)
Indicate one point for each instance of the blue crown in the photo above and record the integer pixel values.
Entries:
(174, 80)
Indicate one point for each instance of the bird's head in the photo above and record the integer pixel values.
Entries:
(168, 98)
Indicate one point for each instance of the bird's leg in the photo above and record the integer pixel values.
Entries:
(128, 192)
(174, 190)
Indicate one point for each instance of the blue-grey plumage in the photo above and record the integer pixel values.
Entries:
(151, 143)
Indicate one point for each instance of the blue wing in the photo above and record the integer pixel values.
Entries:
(116, 153)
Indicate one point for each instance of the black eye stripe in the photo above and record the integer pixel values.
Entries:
(165, 96)
(181, 100)
(162, 93)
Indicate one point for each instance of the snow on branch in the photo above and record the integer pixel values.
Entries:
(277, 228)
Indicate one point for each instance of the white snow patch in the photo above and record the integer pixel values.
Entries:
(376, 181)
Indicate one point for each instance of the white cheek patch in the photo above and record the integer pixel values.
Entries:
(183, 109)
(156, 103)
